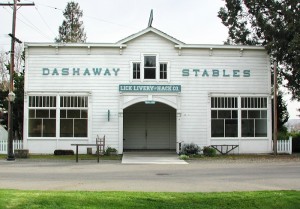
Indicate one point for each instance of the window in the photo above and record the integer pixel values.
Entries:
(163, 70)
(136, 70)
(149, 67)
(254, 116)
(43, 120)
(42, 116)
(226, 122)
(73, 116)
(224, 117)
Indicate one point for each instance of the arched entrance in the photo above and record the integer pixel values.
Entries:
(149, 127)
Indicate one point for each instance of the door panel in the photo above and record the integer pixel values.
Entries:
(134, 131)
(158, 131)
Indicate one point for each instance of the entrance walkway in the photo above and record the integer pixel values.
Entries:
(151, 157)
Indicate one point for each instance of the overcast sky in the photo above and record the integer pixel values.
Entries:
(108, 21)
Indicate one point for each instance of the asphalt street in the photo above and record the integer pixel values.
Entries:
(197, 176)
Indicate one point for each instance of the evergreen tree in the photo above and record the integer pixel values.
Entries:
(274, 24)
(72, 30)
(283, 114)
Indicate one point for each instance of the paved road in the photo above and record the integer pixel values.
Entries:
(112, 176)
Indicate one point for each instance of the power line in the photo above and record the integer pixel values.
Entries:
(34, 28)
(44, 21)
(91, 17)
(37, 29)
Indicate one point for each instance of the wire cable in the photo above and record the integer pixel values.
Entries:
(45, 21)
(32, 27)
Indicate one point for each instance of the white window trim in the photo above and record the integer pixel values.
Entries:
(143, 70)
(239, 108)
(168, 72)
(58, 108)
(131, 79)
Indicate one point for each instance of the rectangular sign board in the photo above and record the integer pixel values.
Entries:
(150, 88)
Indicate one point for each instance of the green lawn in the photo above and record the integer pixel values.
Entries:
(231, 200)
(70, 157)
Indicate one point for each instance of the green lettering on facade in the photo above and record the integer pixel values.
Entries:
(236, 73)
(107, 73)
(215, 73)
(46, 71)
(205, 73)
(185, 72)
(196, 71)
(97, 71)
(65, 71)
(86, 72)
(55, 72)
(224, 74)
(76, 71)
(116, 71)
(246, 73)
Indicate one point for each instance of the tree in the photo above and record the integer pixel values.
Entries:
(274, 24)
(19, 92)
(4, 71)
(72, 30)
(283, 114)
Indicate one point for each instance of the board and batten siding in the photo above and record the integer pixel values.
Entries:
(194, 107)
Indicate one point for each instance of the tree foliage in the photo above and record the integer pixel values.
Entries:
(72, 30)
(274, 24)
(18, 105)
(283, 114)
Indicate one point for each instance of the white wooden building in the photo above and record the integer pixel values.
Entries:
(147, 91)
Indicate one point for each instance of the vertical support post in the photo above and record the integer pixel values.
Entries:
(275, 110)
(10, 151)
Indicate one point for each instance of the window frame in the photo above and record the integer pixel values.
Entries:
(263, 107)
(69, 108)
(266, 115)
(36, 107)
(142, 69)
(215, 106)
(57, 118)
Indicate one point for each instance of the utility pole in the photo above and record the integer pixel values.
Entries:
(275, 110)
(11, 95)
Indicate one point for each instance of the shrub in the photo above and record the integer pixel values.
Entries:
(109, 150)
(209, 151)
(190, 149)
(63, 152)
(184, 157)
(283, 136)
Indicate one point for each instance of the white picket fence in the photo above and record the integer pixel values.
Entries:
(18, 144)
(284, 146)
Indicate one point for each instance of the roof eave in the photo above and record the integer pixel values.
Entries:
(146, 30)
(74, 45)
(206, 46)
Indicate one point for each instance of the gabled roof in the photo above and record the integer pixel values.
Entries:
(150, 29)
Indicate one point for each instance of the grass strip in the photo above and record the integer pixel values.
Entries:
(70, 157)
(80, 199)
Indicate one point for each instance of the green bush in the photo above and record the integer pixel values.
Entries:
(63, 152)
(190, 149)
(110, 150)
(209, 151)
(295, 135)
(283, 136)
(184, 157)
